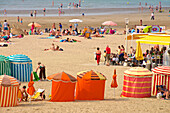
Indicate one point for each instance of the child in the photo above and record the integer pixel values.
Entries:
(18, 18)
(21, 20)
(24, 93)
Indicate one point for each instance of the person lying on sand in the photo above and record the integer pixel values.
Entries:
(53, 48)
(71, 40)
(97, 35)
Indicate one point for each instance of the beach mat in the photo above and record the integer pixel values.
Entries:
(51, 37)
(36, 77)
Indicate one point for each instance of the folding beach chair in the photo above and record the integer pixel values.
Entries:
(38, 93)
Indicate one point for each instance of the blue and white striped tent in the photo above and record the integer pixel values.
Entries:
(21, 67)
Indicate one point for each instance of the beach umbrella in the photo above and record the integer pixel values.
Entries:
(109, 23)
(63, 87)
(114, 82)
(35, 24)
(4, 65)
(75, 20)
(9, 87)
(139, 55)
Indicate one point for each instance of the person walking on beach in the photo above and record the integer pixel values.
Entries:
(42, 71)
(152, 16)
(5, 26)
(31, 14)
(60, 27)
(5, 13)
(21, 20)
(108, 51)
(18, 19)
(53, 3)
(44, 10)
(98, 55)
(35, 13)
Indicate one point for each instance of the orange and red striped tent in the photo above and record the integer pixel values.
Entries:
(161, 76)
(137, 83)
(9, 87)
(63, 87)
(90, 85)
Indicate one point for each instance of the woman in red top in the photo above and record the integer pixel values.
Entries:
(98, 54)
(32, 27)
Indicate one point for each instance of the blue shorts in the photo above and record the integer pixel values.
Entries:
(5, 28)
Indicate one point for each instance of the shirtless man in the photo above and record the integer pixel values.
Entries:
(24, 93)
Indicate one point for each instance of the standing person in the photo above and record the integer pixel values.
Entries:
(35, 13)
(76, 26)
(9, 29)
(53, 3)
(44, 11)
(157, 8)
(5, 13)
(32, 27)
(152, 16)
(98, 54)
(5, 25)
(60, 27)
(108, 51)
(70, 27)
(59, 11)
(18, 18)
(31, 14)
(61, 6)
(42, 71)
(21, 20)
(104, 54)
(53, 26)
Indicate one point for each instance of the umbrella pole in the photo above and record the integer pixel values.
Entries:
(30, 98)
(114, 92)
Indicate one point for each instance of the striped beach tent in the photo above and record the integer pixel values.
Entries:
(63, 87)
(4, 66)
(137, 83)
(90, 85)
(161, 76)
(21, 67)
(9, 87)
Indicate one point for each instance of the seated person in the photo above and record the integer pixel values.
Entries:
(25, 32)
(58, 34)
(53, 33)
(42, 95)
(24, 94)
(53, 48)
(30, 32)
(164, 91)
(63, 33)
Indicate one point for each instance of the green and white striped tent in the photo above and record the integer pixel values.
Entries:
(5, 68)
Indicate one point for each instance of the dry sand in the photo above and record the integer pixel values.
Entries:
(77, 57)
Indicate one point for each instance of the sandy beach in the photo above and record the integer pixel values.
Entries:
(78, 57)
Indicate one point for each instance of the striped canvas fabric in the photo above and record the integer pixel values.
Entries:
(137, 83)
(4, 66)
(21, 67)
(9, 87)
(91, 75)
(161, 76)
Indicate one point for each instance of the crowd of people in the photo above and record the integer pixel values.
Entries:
(120, 57)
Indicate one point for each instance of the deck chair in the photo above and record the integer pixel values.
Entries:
(36, 78)
(39, 91)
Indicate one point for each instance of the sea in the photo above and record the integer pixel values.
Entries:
(85, 4)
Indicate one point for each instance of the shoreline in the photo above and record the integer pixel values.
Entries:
(77, 12)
